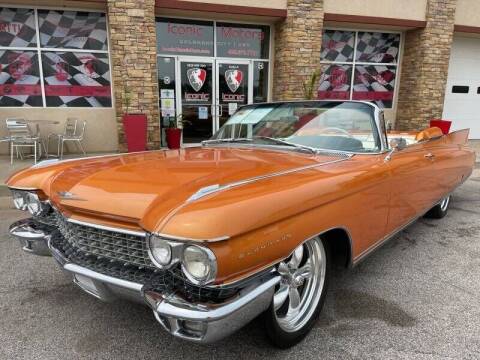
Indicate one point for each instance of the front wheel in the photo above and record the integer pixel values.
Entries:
(299, 297)
(439, 210)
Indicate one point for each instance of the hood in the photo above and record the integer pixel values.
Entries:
(127, 186)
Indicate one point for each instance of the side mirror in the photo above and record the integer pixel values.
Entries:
(396, 144)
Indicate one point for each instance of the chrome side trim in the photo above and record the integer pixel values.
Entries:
(22, 188)
(108, 228)
(190, 240)
(211, 189)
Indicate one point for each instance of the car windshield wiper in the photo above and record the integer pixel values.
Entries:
(265, 138)
(287, 143)
(227, 140)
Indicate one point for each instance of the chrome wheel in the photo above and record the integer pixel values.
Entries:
(303, 278)
(444, 203)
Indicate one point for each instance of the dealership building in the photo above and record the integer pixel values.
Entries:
(97, 60)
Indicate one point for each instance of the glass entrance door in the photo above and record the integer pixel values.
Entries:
(234, 88)
(210, 91)
(195, 103)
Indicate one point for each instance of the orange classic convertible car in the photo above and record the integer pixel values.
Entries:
(248, 223)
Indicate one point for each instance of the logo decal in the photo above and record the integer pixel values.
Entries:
(196, 78)
(65, 195)
(234, 79)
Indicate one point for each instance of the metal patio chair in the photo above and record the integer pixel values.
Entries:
(75, 137)
(20, 136)
(69, 130)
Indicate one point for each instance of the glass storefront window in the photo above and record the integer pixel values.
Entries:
(17, 28)
(76, 79)
(19, 79)
(374, 83)
(72, 29)
(243, 41)
(260, 81)
(184, 37)
(166, 86)
(70, 78)
(335, 82)
(338, 46)
(372, 58)
(373, 47)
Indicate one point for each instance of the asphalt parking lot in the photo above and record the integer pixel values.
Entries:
(418, 297)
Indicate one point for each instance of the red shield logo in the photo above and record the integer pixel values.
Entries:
(234, 79)
(196, 78)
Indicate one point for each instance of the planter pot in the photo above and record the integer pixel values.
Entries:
(135, 126)
(444, 125)
(173, 137)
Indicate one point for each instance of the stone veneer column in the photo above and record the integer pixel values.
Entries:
(134, 63)
(298, 41)
(425, 67)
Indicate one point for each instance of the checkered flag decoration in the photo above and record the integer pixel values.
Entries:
(335, 82)
(72, 30)
(19, 79)
(17, 27)
(76, 79)
(337, 45)
(377, 47)
(375, 83)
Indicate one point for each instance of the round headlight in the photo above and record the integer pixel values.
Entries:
(199, 264)
(160, 251)
(34, 205)
(19, 200)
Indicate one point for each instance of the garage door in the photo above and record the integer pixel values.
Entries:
(462, 96)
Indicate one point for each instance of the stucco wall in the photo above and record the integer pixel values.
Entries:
(271, 4)
(404, 9)
(101, 131)
(468, 13)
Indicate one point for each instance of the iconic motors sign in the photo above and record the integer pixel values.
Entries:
(184, 37)
(192, 37)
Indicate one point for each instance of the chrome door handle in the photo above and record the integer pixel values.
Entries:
(430, 156)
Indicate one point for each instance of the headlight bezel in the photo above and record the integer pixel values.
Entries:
(178, 248)
(19, 195)
(29, 199)
(175, 251)
(212, 265)
(32, 199)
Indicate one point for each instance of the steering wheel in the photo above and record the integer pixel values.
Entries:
(343, 131)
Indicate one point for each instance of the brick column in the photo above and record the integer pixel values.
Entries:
(425, 67)
(134, 63)
(298, 41)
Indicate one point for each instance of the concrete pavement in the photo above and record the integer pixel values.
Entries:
(418, 297)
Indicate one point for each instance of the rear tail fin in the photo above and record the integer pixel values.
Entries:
(459, 137)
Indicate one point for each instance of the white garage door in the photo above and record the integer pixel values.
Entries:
(462, 95)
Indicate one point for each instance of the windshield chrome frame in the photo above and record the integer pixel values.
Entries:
(377, 112)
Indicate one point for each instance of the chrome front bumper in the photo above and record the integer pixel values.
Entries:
(204, 323)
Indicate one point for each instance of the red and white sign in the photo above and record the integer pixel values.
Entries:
(196, 77)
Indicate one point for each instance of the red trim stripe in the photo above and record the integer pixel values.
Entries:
(467, 29)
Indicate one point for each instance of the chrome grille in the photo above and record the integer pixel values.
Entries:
(116, 246)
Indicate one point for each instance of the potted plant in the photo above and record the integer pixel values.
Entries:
(174, 132)
(310, 86)
(135, 125)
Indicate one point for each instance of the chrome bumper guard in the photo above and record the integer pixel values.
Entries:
(32, 237)
(204, 323)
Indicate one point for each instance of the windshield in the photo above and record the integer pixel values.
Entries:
(341, 126)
